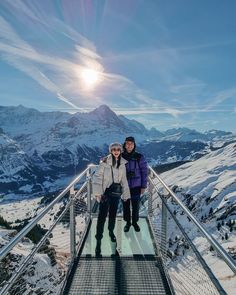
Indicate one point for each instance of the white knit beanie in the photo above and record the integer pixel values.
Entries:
(115, 145)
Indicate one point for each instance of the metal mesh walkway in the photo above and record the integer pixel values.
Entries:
(118, 275)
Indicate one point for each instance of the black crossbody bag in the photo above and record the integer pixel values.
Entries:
(115, 189)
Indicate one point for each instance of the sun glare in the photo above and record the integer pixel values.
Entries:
(90, 77)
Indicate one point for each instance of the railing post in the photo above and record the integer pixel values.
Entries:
(150, 211)
(164, 231)
(89, 190)
(72, 224)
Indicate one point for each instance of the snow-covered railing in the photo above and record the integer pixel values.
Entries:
(194, 261)
(43, 266)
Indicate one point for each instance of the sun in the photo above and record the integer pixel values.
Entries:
(90, 77)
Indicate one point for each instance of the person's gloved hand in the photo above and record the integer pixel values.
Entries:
(125, 199)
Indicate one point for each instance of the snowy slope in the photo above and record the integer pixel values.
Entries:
(22, 121)
(185, 135)
(46, 272)
(40, 277)
(13, 158)
(210, 180)
(16, 168)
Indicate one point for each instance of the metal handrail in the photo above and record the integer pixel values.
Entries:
(224, 255)
(7, 248)
(32, 253)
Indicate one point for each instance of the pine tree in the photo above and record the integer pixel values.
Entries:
(170, 242)
(229, 223)
(176, 251)
(211, 248)
(4, 223)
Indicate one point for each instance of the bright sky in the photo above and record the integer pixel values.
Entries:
(165, 63)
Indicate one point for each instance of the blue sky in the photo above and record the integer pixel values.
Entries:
(167, 64)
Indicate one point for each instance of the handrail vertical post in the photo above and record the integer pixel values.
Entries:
(72, 224)
(89, 190)
(164, 231)
(150, 209)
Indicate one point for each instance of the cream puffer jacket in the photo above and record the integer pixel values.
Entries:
(102, 178)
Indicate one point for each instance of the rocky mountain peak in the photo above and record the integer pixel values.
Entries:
(103, 110)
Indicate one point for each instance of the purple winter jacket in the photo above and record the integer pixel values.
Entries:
(136, 171)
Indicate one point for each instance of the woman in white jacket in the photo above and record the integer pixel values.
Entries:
(111, 170)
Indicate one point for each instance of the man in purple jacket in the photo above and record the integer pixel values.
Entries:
(136, 170)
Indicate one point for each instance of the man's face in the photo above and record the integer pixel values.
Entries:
(129, 146)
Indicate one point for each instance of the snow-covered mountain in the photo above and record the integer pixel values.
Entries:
(94, 129)
(39, 150)
(186, 135)
(17, 121)
(211, 182)
(16, 167)
(56, 130)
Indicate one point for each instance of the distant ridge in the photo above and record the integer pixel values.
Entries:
(41, 150)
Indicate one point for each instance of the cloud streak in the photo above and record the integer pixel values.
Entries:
(26, 58)
(221, 97)
(22, 56)
(175, 112)
(60, 75)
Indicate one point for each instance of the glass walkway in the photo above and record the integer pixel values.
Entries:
(128, 244)
(129, 266)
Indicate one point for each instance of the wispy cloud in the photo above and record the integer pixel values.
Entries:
(221, 97)
(154, 53)
(175, 112)
(64, 82)
(24, 57)
(58, 72)
(189, 88)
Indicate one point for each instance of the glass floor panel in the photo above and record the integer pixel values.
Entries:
(128, 244)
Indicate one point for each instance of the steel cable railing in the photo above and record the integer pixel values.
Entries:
(184, 247)
(40, 264)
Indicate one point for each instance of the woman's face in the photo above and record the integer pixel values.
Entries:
(116, 152)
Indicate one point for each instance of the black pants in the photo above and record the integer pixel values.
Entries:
(135, 210)
(111, 205)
